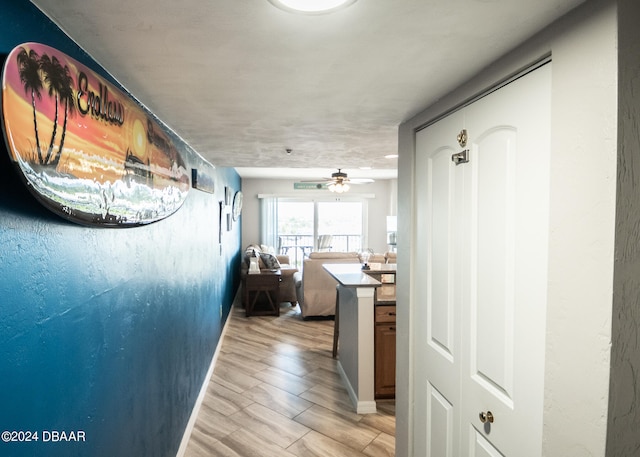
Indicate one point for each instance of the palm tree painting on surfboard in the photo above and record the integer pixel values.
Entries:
(85, 149)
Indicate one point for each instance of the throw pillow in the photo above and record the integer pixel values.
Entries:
(267, 249)
(270, 261)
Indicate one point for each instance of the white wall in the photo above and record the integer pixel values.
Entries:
(581, 232)
(383, 190)
(582, 213)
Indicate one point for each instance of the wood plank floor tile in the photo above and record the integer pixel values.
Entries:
(322, 356)
(276, 391)
(232, 378)
(214, 425)
(291, 363)
(382, 421)
(247, 444)
(352, 434)
(200, 444)
(284, 380)
(249, 350)
(333, 398)
(278, 400)
(270, 425)
(382, 446)
(387, 406)
(259, 335)
(223, 400)
(327, 377)
(249, 366)
(314, 444)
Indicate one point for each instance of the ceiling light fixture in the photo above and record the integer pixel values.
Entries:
(339, 187)
(311, 6)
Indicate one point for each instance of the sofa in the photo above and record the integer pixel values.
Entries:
(287, 281)
(316, 289)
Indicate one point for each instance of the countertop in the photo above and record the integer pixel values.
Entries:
(351, 275)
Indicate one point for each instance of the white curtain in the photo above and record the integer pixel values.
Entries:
(269, 222)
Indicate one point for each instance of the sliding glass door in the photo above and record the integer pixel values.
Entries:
(295, 229)
(342, 222)
(308, 225)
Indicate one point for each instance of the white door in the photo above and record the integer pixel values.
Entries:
(479, 307)
(438, 294)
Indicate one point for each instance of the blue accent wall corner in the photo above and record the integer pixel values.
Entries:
(108, 332)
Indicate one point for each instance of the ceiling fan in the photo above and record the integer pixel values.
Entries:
(340, 182)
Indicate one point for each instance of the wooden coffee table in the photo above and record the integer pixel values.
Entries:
(262, 293)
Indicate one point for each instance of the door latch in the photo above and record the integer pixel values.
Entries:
(460, 157)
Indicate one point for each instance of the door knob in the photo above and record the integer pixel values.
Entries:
(486, 417)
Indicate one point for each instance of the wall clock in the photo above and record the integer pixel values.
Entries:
(237, 205)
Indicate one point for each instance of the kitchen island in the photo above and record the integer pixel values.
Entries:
(356, 295)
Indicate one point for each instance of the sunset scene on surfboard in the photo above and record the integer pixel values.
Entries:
(86, 149)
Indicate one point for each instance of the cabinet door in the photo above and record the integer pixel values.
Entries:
(385, 359)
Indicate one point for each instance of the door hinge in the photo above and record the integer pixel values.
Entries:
(460, 157)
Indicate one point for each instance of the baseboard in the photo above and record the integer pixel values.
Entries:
(367, 407)
(203, 391)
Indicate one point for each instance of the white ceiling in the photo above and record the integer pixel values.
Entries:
(242, 81)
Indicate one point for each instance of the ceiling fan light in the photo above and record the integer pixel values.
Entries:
(311, 6)
(338, 187)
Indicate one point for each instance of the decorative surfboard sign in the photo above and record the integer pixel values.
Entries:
(86, 150)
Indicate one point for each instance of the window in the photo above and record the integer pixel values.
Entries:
(343, 221)
(295, 229)
(300, 224)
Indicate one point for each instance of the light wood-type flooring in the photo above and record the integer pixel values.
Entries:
(276, 391)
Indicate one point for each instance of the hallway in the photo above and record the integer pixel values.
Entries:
(276, 391)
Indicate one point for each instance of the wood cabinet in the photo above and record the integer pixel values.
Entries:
(262, 293)
(385, 293)
(385, 351)
(385, 332)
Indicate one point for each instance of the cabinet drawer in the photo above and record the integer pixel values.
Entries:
(385, 314)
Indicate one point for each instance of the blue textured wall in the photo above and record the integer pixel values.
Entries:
(105, 331)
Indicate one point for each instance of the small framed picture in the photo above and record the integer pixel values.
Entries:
(227, 196)
(220, 212)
